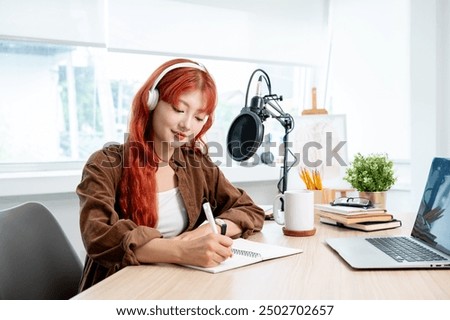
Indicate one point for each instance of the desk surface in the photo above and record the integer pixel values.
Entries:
(317, 273)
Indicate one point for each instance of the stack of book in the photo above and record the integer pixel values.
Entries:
(370, 219)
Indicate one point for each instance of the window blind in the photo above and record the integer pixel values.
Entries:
(283, 31)
(81, 21)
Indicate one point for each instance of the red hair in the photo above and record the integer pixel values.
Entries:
(137, 189)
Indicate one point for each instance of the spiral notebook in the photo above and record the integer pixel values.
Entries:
(246, 252)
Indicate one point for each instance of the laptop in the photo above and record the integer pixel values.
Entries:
(429, 243)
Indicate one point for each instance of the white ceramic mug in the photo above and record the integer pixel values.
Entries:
(298, 212)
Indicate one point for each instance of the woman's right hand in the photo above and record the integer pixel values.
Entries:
(205, 251)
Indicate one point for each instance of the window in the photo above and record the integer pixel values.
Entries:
(50, 107)
(59, 103)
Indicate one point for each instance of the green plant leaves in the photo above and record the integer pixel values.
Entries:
(371, 173)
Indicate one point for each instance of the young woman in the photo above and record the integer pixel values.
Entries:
(141, 202)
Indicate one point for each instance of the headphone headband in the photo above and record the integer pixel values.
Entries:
(153, 95)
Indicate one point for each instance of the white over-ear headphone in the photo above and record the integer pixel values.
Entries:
(153, 94)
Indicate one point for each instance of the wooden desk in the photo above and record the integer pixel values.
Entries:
(317, 273)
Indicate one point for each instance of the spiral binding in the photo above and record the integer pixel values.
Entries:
(246, 253)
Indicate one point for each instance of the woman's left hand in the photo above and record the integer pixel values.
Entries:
(233, 230)
(201, 231)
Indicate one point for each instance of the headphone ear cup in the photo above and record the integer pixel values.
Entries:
(153, 98)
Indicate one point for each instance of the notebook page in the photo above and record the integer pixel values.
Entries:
(248, 252)
(267, 251)
(236, 261)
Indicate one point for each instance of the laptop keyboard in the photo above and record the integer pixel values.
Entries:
(404, 249)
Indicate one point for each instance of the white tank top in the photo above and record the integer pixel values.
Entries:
(172, 213)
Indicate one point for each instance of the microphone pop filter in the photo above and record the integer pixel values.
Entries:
(245, 135)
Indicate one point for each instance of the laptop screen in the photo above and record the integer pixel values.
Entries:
(432, 223)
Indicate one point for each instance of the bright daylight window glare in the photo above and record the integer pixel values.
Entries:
(60, 103)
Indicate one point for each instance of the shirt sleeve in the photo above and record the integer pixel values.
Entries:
(108, 239)
(237, 206)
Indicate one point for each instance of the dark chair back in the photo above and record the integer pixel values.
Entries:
(37, 260)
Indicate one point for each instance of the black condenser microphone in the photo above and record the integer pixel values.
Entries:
(257, 102)
(247, 130)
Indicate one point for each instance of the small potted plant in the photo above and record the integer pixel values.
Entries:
(372, 176)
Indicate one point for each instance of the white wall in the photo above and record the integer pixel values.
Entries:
(430, 64)
(443, 81)
(390, 75)
(369, 82)
(369, 74)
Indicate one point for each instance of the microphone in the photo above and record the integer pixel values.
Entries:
(247, 130)
(257, 102)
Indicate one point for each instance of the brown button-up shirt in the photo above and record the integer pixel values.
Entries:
(109, 239)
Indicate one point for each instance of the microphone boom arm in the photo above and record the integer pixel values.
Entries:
(287, 122)
(284, 118)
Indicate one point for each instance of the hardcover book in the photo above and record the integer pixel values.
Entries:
(365, 226)
(347, 210)
(357, 218)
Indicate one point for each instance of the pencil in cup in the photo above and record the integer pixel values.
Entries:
(312, 180)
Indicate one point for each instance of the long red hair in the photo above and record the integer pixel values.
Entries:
(137, 190)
